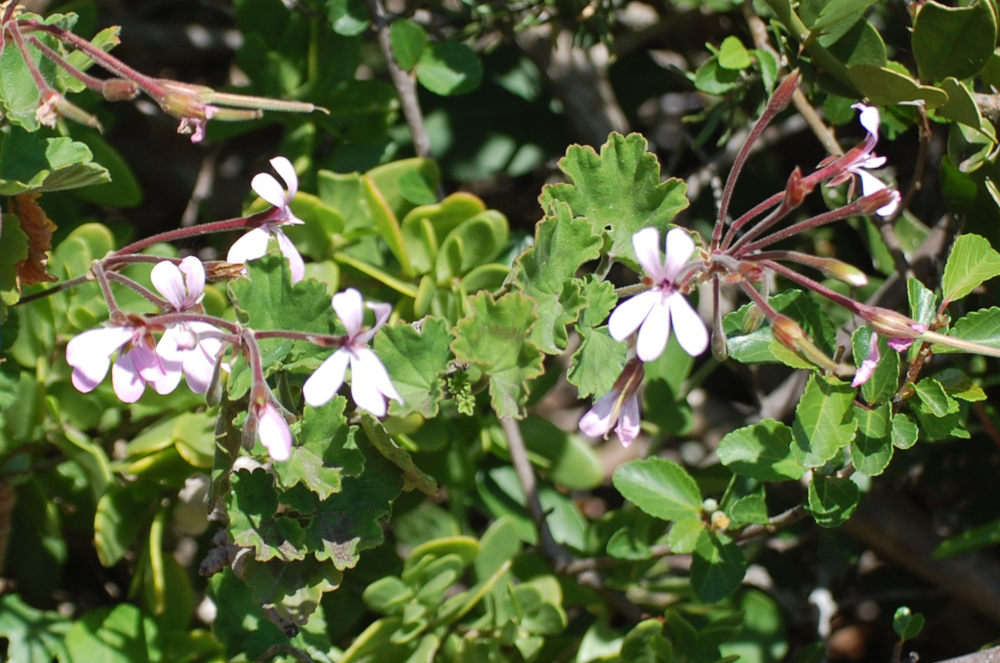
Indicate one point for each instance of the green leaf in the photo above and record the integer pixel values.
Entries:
(562, 244)
(832, 500)
(885, 86)
(494, 338)
(660, 487)
(907, 624)
(387, 595)
(449, 68)
(252, 505)
(822, 426)
(757, 344)
(982, 326)
(837, 11)
(961, 107)
(348, 17)
(717, 567)
(348, 522)
(733, 55)
(618, 192)
(416, 361)
(29, 162)
(112, 635)
(923, 302)
(959, 385)
(871, 449)
(761, 451)
(570, 461)
(971, 262)
(408, 41)
(973, 539)
(953, 41)
(934, 400)
(597, 363)
(425, 227)
(33, 636)
(121, 513)
(885, 381)
(685, 534)
(292, 590)
(904, 431)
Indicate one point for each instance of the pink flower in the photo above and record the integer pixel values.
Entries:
(619, 408)
(370, 383)
(867, 368)
(253, 245)
(866, 160)
(273, 431)
(266, 422)
(190, 348)
(90, 356)
(652, 312)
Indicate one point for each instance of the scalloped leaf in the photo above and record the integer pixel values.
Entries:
(495, 338)
(617, 191)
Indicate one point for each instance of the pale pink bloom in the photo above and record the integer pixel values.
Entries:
(90, 356)
(867, 368)
(867, 160)
(618, 409)
(190, 348)
(653, 311)
(273, 431)
(370, 383)
(253, 245)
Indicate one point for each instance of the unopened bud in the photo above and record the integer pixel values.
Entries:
(796, 189)
(790, 334)
(831, 267)
(891, 324)
(783, 94)
(720, 521)
(119, 89)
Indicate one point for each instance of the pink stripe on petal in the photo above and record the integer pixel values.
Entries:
(680, 246)
(274, 433)
(125, 379)
(629, 424)
(169, 282)
(598, 420)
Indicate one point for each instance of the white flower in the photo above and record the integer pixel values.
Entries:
(370, 383)
(253, 245)
(867, 368)
(652, 312)
(273, 431)
(619, 408)
(90, 356)
(190, 348)
(866, 160)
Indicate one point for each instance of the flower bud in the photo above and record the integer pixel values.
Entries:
(790, 334)
(119, 89)
(891, 324)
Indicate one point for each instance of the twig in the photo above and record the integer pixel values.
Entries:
(404, 84)
(526, 476)
(758, 32)
(985, 656)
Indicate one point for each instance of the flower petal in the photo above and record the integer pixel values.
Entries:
(627, 317)
(125, 379)
(646, 243)
(867, 368)
(629, 424)
(295, 264)
(599, 419)
(90, 354)
(285, 169)
(268, 188)
(274, 433)
(373, 370)
(194, 279)
(680, 246)
(366, 396)
(654, 333)
(326, 380)
(689, 328)
(382, 313)
(869, 118)
(349, 309)
(169, 282)
(249, 247)
(871, 184)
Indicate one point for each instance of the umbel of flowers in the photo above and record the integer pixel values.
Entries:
(181, 340)
(740, 253)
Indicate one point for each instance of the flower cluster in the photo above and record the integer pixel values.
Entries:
(191, 344)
